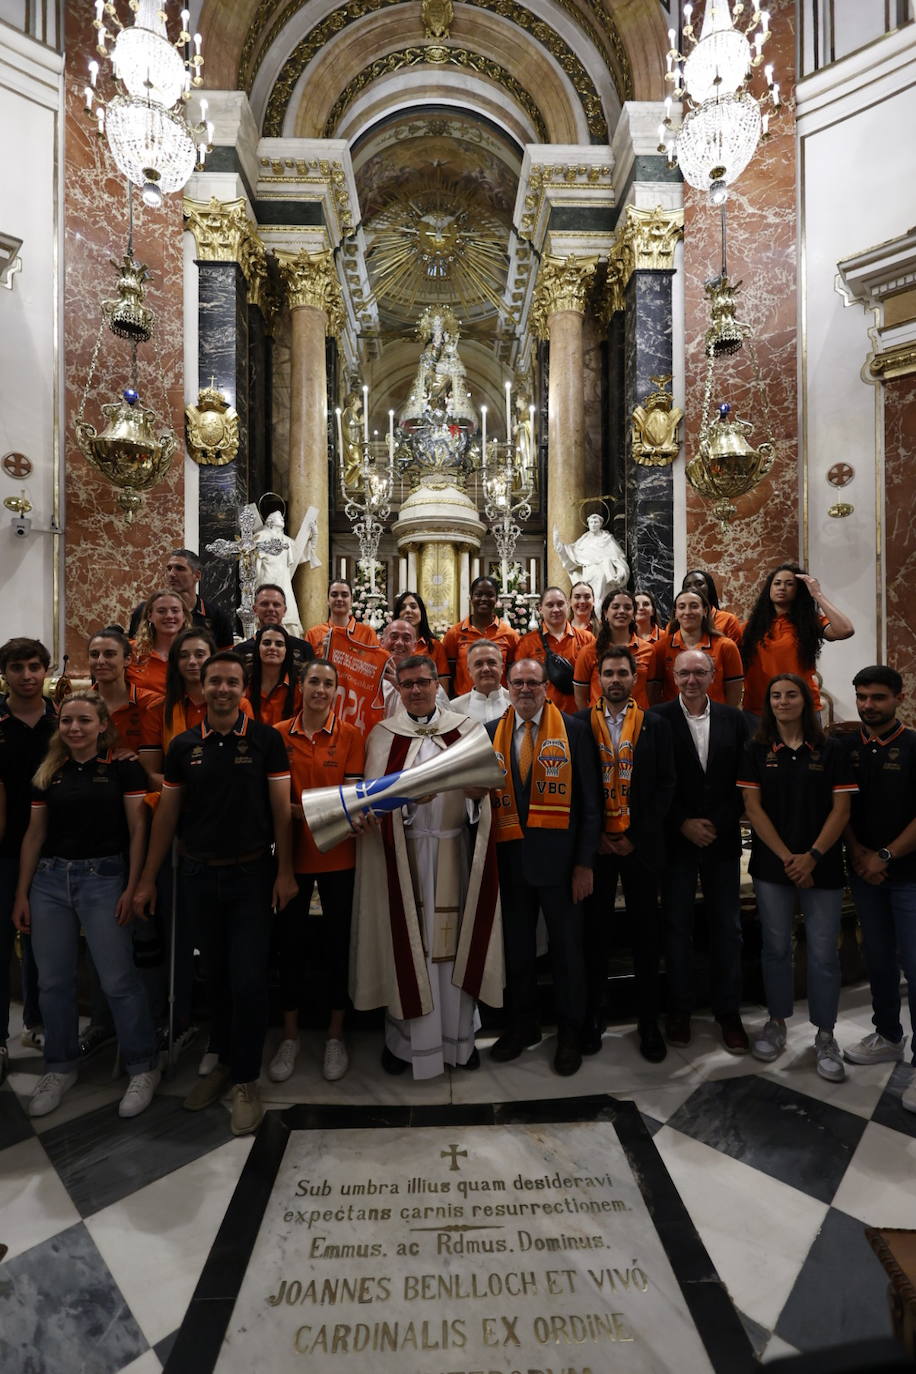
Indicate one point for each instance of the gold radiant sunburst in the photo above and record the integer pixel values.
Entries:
(436, 243)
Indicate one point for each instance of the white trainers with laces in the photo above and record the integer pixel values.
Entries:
(49, 1090)
(875, 1049)
(336, 1060)
(829, 1058)
(908, 1097)
(284, 1061)
(770, 1043)
(208, 1062)
(139, 1092)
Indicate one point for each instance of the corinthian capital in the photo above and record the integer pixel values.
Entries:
(310, 279)
(645, 241)
(562, 284)
(224, 233)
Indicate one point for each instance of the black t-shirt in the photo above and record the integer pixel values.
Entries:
(885, 770)
(205, 615)
(224, 779)
(302, 651)
(796, 788)
(85, 801)
(22, 748)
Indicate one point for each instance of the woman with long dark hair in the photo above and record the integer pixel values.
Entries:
(699, 580)
(483, 622)
(184, 705)
(618, 626)
(691, 627)
(273, 688)
(789, 622)
(411, 607)
(80, 862)
(797, 785)
(582, 606)
(340, 617)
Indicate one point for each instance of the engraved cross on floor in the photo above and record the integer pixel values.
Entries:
(452, 1153)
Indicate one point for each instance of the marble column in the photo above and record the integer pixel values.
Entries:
(558, 315)
(900, 535)
(314, 297)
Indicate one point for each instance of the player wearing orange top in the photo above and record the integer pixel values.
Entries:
(273, 688)
(647, 622)
(482, 623)
(340, 614)
(692, 628)
(787, 625)
(559, 637)
(699, 580)
(135, 714)
(322, 751)
(618, 627)
(582, 606)
(163, 617)
(411, 607)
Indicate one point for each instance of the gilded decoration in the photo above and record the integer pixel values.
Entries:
(646, 242)
(655, 423)
(212, 428)
(295, 172)
(562, 284)
(224, 233)
(309, 279)
(438, 18)
(895, 362)
(558, 175)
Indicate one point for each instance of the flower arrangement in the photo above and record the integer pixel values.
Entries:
(373, 612)
(516, 604)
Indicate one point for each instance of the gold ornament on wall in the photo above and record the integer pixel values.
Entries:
(212, 428)
(655, 424)
(438, 17)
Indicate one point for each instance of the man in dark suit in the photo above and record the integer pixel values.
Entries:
(638, 785)
(547, 821)
(704, 840)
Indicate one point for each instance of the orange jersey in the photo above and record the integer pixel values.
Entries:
(436, 651)
(273, 705)
(138, 725)
(570, 645)
(587, 671)
(335, 754)
(149, 674)
(722, 650)
(727, 624)
(777, 653)
(460, 637)
(318, 636)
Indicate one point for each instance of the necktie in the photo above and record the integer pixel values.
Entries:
(526, 751)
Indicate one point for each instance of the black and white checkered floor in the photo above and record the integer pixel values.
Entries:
(108, 1222)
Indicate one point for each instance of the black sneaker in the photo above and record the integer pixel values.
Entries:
(95, 1038)
(651, 1044)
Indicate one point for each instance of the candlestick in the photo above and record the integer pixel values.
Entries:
(509, 408)
(340, 447)
(391, 424)
(365, 415)
(483, 439)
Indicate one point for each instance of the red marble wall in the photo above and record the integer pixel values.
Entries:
(760, 381)
(110, 565)
(900, 532)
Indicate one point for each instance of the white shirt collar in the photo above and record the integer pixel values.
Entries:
(703, 715)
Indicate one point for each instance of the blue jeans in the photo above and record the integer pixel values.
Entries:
(65, 895)
(721, 880)
(230, 907)
(887, 915)
(821, 908)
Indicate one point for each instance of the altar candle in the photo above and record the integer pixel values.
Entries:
(340, 447)
(509, 409)
(483, 434)
(533, 575)
(365, 415)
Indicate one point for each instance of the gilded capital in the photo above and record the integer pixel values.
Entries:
(562, 284)
(310, 279)
(894, 362)
(645, 241)
(224, 233)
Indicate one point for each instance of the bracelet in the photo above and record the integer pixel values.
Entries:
(815, 854)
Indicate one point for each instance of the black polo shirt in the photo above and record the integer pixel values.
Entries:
(796, 789)
(885, 771)
(22, 748)
(225, 803)
(205, 615)
(302, 651)
(85, 804)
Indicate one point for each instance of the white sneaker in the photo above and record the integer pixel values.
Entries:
(770, 1043)
(284, 1061)
(139, 1094)
(829, 1058)
(33, 1037)
(207, 1064)
(875, 1049)
(336, 1060)
(908, 1097)
(49, 1090)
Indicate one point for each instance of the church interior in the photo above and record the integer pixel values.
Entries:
(440, 282)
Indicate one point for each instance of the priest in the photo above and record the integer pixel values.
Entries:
(427, 932)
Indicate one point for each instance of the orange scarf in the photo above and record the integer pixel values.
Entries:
(551, 777)
(616, 764)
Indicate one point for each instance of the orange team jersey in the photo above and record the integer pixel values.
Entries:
(460, 637)
(727, 624)
(777, 653)
(569, 646)
(138, 725)
(722, 650)
(187, 713)
(436, 651)
(587, 671)
(149, 673)
(652, 636)
(336, 753)
(273, 706)
(318, 634)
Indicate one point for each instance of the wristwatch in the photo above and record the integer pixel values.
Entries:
(815, 854)
(885, 855)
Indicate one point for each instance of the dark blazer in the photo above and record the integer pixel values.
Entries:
(548, 856)
(652, 787)
(712, 795)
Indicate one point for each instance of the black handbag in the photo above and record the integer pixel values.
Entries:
(559, 669)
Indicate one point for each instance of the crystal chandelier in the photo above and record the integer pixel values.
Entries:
(150, 138)
(724, 121)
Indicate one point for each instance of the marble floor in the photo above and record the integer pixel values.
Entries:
(107, 1223)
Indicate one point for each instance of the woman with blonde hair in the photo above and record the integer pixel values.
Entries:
(164, 617)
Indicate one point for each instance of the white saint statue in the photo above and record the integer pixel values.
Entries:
(278, 568)
(595, 558)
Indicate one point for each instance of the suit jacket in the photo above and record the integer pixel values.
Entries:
(652, 787)
(548, 856)
(712, 795)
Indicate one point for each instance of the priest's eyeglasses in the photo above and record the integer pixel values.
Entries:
(411, 682)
